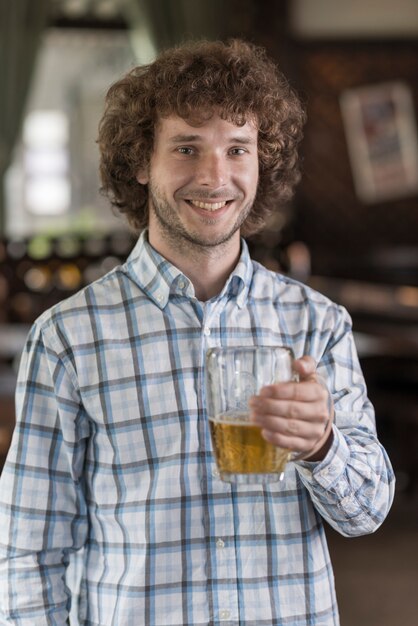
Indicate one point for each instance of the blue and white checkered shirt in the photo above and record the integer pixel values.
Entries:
(111, 464)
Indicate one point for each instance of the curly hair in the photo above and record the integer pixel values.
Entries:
(234, 78)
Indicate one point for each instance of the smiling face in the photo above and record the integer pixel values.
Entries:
(202, 181)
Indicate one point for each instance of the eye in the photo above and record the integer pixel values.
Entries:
(237, 151)
(185, 150)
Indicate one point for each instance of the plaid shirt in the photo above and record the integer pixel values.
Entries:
(111, 464)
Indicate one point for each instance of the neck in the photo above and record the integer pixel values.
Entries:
(208, 268)
(209, 275)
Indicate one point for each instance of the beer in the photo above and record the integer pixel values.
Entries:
(240, 448)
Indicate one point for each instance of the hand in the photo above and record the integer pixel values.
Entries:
(296, 415)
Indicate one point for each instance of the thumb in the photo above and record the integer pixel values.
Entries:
(305, 366)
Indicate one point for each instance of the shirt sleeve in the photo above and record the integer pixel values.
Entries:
(42, 506)
(353, 486)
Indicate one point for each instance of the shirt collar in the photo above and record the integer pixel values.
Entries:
(159, 278)
(239, 281)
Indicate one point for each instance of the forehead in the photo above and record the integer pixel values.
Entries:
(174, 126)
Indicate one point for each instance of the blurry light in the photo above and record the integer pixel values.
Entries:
(38, 278)
(408, 296)
(68, 276)
(48, 195)
(45, 129)
(74, 8)
(92, 273)
(46, 161)
(39, 247)
(299, 260)
(67, 246)
(16, 249)
(109, 263)
(106, 8)
(95, 246)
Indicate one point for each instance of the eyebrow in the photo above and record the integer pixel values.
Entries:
(240, 139)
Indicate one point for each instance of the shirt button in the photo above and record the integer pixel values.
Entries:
(215, 473)
(159, 296)
(206, 331)
(224, 614)
(182, 284)
(220, 543)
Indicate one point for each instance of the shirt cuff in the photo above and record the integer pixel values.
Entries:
(327, 471)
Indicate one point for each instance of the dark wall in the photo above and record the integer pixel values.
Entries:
(340, 229)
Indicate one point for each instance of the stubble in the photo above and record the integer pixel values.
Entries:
(191, 242)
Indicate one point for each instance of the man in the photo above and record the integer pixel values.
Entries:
(111, 461)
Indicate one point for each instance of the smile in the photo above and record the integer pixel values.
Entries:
(208, 206)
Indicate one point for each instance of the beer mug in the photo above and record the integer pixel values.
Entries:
(233, 375)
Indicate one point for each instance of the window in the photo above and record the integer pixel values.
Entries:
(53, 183)
(46, 163)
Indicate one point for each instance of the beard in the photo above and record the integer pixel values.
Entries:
(177, 234)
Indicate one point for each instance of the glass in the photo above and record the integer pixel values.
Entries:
(233, 375)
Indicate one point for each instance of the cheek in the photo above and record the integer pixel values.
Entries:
(250, 179)
(177, 180)
(171, 172)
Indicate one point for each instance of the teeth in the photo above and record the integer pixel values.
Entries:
(208, 206)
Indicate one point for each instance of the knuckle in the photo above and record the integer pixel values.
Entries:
(293, 427)
(323, 394)
(297, 394)
(292, 411)
(323, 412)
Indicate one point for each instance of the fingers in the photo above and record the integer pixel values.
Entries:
(294, 443)
(294, 392)
(268, 409)
(295, 433)
(292, 415)
(284, 432)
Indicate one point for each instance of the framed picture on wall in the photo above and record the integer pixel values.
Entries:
(381, 135)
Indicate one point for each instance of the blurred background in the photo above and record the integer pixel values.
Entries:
(351, 230)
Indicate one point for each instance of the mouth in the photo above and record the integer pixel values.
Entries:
(208, 206)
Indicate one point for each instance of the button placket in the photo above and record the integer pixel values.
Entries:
(226, 598)
(210, 319)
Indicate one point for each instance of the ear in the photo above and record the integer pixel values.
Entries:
(142, 176)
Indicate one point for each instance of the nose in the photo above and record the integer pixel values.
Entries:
(212, 170)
